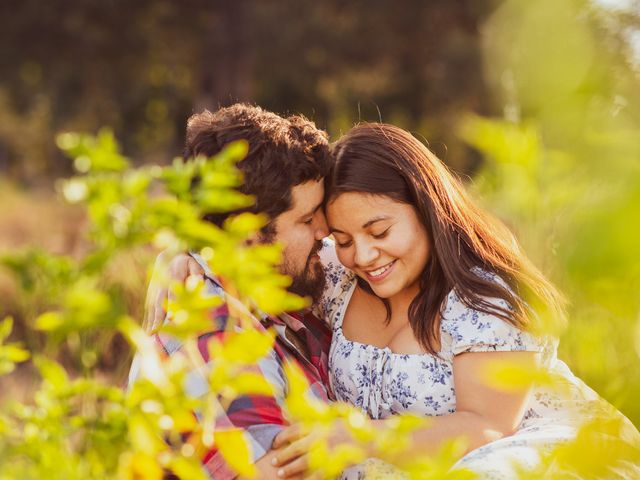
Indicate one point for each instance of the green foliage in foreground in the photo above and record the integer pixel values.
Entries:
(78, 426)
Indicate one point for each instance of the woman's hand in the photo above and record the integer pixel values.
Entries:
(294, 444)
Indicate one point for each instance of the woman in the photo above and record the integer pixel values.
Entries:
(434, 292)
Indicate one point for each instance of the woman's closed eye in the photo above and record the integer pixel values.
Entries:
(344, 244)
(382, 234)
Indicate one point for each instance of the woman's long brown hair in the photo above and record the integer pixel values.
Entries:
(381, 159)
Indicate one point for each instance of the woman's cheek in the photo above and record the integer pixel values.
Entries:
(344, 257)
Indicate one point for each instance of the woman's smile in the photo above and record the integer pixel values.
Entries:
(379, 274)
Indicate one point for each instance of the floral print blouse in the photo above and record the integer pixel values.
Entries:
(384, 383)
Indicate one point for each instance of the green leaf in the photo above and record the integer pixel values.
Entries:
(236, 151)
(236, 450)
(216, 200)
(6, 326)
(188, 468)
(49, 321)
(245, 347)
(245, 224)
(14, 352)
(249, 383)
(51, 372)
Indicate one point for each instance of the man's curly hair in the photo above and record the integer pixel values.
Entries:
(283, 152)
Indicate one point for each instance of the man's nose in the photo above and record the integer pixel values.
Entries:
(321, 227)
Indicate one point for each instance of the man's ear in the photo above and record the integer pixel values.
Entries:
(254, 239)
(258, 238)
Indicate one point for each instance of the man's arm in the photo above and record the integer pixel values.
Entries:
(166, 270)
(259, 416)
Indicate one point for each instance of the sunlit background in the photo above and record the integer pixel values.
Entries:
(535, 104)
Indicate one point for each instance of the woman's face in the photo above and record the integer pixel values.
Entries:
(381, 240)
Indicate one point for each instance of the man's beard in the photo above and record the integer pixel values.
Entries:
(310, 282)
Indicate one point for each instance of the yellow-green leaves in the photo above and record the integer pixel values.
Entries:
(236, 450)
(189, 309)
(139, 466)
(244, 348)
(153, 426)
(53, 374)
(217, 179)
(252, 268)
(515, 375)
(233, 360)
(99, 153)
(189, 468)
(10, 353)
(434, 467)
(300, 405)
(143, 435)
(83, 307)
(514, 160)
(245, 224)
(331, 462)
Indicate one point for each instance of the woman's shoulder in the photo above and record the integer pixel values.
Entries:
(466, 328)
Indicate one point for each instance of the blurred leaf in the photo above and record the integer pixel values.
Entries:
(139, 466)
(236, 450)
(189, 309)
(6, 326)
(188, 468)
(299, 404)
(245, 347)
(248, 383)
(215, 201)
(99, 153)
(52, 373)
(245, 224)
(514, 376)
(10, 353)
(331, 462)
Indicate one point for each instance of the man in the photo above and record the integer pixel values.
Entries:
(284, 170)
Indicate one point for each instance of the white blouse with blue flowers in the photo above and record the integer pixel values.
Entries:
(383, 383)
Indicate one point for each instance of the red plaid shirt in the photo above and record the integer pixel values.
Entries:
(260, 416)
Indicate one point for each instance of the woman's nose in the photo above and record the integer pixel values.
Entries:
(365, 254)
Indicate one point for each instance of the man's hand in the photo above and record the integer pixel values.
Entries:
(292, 447)
(178, 269)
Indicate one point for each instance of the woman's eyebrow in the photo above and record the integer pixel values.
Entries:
(367, 224)
(375, 219)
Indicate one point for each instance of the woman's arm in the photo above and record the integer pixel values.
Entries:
(484, 413)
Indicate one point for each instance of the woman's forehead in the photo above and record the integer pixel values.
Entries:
(356, 209)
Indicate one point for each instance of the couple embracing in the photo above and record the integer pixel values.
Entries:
(419, 290)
